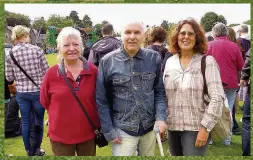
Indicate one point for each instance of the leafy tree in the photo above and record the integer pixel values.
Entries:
(210, 19)
(97, 29)
(147, 36)
(165, 25)
(247, 22)
(171, 29)
(74, 16)
(232, 25)
(104, 23)
(222, 19)
(13, 19)
(40, 25)
(59, 22)
(87, 21)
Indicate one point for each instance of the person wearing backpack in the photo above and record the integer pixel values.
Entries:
(104, 45)
(157, 38)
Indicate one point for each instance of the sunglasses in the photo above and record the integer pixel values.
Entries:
(184, 33)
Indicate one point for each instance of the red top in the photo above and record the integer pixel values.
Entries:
(229, 58)
(67, 122)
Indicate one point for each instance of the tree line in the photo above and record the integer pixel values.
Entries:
(208, 20)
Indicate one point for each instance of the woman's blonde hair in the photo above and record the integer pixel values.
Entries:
(18, 32)
(67, 32)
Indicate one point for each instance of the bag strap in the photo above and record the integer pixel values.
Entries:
(203, 71)
(16, 63)
(62, 71)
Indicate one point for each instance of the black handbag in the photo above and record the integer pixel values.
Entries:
(99, 137)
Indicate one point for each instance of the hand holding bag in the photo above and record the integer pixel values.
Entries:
(222, 128)
(99, 137)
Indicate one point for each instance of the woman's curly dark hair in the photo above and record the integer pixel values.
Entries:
(158, 34)
(201, 41)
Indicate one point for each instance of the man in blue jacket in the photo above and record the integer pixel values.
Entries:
(130, 95)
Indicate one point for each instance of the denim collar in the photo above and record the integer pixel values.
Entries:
(125, 56)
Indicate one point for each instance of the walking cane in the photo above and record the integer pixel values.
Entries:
(158, 138)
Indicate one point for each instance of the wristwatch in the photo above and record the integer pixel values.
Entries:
(208, 130)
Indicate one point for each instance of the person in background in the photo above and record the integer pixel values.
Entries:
(189, 119)
(86, 50)
(69, 130)
(12, 121)
(244, 40)
(104, 45)
(232, 37)
(229, 58)
(158, 37)
(33, 61)
(210, 38)
(245, 80)
(130, 95)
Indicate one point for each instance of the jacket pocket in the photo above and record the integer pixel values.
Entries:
(122, 86)
(148, 82)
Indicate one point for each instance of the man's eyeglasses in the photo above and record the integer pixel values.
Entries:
(184, 33)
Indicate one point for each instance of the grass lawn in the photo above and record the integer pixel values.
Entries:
(15, 145)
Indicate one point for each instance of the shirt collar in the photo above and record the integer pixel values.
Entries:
(222, 37)
(86, 69)
(140, 54)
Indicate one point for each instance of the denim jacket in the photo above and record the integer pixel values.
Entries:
(129, 91)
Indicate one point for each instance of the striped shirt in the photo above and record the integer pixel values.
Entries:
(31, 58)
(186, 110)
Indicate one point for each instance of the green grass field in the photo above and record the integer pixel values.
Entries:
(15, 145)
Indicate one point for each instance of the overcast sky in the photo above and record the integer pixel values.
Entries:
(149, 14)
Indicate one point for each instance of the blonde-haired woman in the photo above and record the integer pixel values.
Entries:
(69, 131)
(31, 58)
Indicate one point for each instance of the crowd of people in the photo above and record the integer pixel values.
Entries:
(127, 91)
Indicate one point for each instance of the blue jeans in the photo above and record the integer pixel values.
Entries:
(32, 115)
(246, 127)
(230, 94)
(182, 143)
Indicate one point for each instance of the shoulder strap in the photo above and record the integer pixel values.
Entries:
(203, 71)
(16, 63)
(62, 71)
